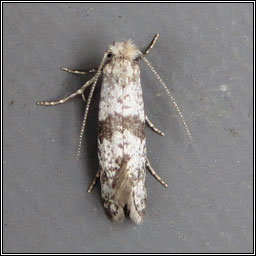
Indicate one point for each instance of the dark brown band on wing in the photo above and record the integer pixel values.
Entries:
(119, 123)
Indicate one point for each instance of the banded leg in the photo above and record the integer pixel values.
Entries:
(78, 72)
(151, 45)
(63, 100)
(155, 174)
(93, 182)
(151, 125)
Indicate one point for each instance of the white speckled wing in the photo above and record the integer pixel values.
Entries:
(121, 140)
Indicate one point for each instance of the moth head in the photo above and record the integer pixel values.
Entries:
(123, 50)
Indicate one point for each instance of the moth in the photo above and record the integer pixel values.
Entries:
(121, 129)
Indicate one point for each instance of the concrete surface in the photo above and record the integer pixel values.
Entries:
(205, 55)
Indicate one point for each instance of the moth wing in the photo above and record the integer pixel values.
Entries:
(123, 185)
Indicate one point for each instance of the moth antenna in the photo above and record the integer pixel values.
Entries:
(88, 104)
(169, 94)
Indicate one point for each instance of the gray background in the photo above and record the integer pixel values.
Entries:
(205, 55)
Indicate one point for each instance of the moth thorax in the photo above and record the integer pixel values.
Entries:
(122, 71)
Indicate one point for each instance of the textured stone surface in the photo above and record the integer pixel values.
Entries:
(204, 54)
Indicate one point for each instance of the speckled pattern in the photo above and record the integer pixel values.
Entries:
(204, 54)
(122, 135)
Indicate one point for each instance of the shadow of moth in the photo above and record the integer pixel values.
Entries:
(121, 129)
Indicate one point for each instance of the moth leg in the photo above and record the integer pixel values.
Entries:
(151, 125)
(83, 97)
(155, 174)
(63, 100)
(78, 72)
(93, 182)
(151, 45)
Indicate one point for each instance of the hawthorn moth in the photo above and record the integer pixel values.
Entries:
(121, 129)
